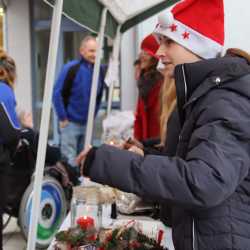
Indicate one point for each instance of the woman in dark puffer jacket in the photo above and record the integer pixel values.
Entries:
(208, 182)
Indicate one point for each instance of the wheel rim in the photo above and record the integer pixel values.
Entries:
(51, 214)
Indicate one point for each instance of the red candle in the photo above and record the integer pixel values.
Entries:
(160, 236)
(85, 222)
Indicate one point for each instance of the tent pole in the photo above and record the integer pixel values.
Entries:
(116, 51)
(46, 109)
(94, 85)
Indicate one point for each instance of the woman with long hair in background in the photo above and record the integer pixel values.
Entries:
(146, 123)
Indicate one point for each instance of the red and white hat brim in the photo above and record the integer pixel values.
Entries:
(187, 37)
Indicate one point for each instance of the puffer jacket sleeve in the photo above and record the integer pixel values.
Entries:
(217, 161)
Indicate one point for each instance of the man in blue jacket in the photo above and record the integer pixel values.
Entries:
(72, 95)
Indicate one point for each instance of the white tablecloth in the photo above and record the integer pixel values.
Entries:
(148, 225)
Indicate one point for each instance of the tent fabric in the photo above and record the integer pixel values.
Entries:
(132, 12)
(124, 10)
(87, 13)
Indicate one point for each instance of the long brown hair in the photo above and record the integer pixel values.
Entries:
(238, 52)
(7, 69)
(168, 103)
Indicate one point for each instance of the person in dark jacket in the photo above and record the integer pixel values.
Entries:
(207, 182)
(9, 124)
(146, 123)
(71, 98)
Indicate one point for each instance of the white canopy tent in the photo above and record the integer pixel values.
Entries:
(107, 18)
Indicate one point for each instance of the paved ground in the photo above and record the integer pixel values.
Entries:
(12, 238)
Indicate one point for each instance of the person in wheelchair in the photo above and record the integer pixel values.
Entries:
(21, 170)
(18, 150)
(9, 124)
(59, 179)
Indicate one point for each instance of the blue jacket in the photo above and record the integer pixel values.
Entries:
(77, 108)
(9, 123)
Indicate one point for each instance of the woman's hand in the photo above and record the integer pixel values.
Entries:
(132, 142)
(26, 119)
(136, 150)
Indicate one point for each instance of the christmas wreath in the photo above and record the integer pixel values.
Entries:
(126, 237)
(130, 237)
(83, 234)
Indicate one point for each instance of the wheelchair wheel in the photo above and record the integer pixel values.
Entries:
(53, 208)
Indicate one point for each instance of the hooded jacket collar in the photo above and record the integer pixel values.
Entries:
(193, 80)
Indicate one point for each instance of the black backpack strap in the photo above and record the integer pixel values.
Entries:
(9, 135)
(68, 83)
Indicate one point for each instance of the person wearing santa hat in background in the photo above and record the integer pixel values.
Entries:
(146, 123)
(207, 183)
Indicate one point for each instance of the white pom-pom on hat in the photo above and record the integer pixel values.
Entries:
(165, 19)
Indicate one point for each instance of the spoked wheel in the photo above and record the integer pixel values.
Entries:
(53, 208)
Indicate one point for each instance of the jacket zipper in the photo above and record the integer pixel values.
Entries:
(185, 82)
(193, 232)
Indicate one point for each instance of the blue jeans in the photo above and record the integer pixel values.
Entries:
(71, 141)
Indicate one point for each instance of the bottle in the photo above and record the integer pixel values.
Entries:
(113, 211)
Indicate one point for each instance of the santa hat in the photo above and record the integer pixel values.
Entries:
(150, 45)
(197, 25)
